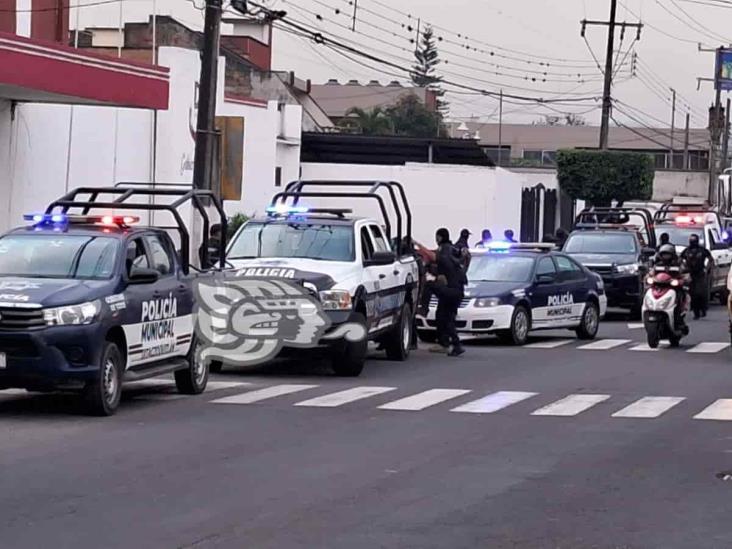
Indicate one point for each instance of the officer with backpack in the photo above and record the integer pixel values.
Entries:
(450, 290)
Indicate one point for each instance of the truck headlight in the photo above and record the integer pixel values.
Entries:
(72, 315)
(629, 268)
(484, 302)
(336, 300)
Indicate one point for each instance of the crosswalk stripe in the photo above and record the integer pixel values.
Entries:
(644, 348)
(340, 398)
(604, 344)
(551, 344)
(263, 394)
(708, 347)
(635, 325)
(423, 400)
(721, 410)
(571, 405)
(649, 407)
(493, 402)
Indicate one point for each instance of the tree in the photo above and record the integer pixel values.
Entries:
(569, 119)
(411, 118)
(424, 74)
(599, 177)
(373, 122)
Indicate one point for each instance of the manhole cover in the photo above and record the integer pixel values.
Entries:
(724, 475)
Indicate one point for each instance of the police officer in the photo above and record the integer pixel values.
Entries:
(462, 242)
(485, 238)
(508, 235)
(664, 239)
(698, 261)
(667, 260)
(560, 237)
(450, 289)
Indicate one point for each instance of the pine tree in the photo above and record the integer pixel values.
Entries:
(424, 73)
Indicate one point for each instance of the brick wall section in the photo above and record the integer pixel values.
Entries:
(7, 16)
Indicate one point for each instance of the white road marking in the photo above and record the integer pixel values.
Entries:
(708, 347)
(263, 394)
(340, 398)
(423, 400)
(644, 348)
(635, 325)
(493, 402)
(604, 344)
(721, 410)
(222, 385)
(649, 407)
(551, 344)
(571, 405)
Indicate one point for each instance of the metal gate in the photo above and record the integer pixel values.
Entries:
(538, 213)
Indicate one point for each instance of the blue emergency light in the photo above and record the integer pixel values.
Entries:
(284, 209)
(499, 245)
(47, 219)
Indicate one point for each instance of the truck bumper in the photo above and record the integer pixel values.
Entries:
(54, 357)
(622, 291)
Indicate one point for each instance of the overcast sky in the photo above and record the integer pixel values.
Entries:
(535, 30)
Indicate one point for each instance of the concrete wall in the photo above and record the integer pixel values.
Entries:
(108, 145)
(455, 197)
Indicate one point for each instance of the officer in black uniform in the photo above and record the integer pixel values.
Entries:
(450, 289)
(698, 261)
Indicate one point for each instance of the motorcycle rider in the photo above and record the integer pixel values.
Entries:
(698, 261)
(667, 261)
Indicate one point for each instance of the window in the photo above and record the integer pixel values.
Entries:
(278, 176)
(500, 268)
(549, 158)
(600, 243)
(367, 248)
(546, 267)
(533, 156)
(568, 269)
(58, 256)
(161, 259)
(136, 256)
(379, 240)
(500, 156)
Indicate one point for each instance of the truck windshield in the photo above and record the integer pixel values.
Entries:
(58, 256)
(298, 240)
(600, 243)
(500, 268)
(679, 236)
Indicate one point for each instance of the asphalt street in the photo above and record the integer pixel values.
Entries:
(555, 445)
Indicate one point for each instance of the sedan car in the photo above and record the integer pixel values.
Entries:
(516, 288)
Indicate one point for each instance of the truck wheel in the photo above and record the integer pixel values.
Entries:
(427, 337)
(590, 323)
(520, 326)
(399, 342)
(349, 357)
(723, 297)
(193, 379)
(102, 395)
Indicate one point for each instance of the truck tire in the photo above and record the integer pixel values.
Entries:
(102, 395)
(349, 357)
(590, 322)
(193, 379)
(399, 341)
(518, 333)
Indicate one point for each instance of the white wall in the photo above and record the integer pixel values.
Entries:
(6, 128)
(441, 195)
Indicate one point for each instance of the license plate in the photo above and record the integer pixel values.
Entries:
(3, 361)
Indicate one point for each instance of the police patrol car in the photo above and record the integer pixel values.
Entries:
(89, 302)
(516, 288)
(359, 270)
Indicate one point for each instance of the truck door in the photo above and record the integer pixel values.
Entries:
(722, 257)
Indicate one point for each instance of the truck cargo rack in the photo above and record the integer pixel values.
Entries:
(604, 218)
(182, 193)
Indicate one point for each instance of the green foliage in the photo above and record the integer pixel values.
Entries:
(373, 122)
(599, 177)
(233, 225)
(424, 73)
(411, 118)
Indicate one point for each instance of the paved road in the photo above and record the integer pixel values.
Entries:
(551, 446)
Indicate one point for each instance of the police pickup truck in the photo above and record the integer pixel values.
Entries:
(89, 302)
(360, 270)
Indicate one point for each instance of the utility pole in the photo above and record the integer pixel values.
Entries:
(686, 142)
(715, 113)
(205, 131)
(608, 73)
(725, 139)
(500, 130)
(673, 123)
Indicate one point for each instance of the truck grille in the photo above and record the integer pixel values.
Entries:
(18, 319)
(605, 270)
(464, 303)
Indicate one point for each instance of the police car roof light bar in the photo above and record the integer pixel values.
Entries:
(182, 193)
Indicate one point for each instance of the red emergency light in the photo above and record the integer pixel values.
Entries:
(688, 220)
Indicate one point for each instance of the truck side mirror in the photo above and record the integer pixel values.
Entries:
(380, 259)
(143, 275)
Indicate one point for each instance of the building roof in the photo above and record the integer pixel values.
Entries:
(552, 138)
(390, 150)
(336, 98)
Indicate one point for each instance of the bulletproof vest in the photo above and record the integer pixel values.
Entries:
(695, 259)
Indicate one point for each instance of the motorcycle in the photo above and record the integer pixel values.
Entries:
(663, 317)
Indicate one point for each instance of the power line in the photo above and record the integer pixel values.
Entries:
(704, 31)
(657, 29)
(70, 7)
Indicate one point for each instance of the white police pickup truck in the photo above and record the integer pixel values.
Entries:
(352, 265)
